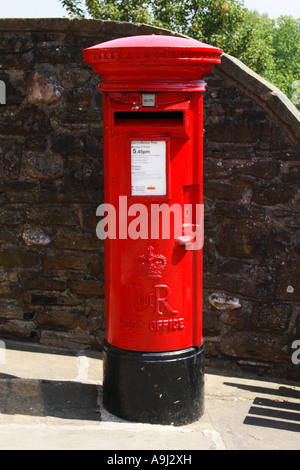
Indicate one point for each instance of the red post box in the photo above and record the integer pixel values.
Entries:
(153, 134)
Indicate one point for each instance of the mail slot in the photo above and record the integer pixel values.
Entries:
(153, 135)
(163, 118)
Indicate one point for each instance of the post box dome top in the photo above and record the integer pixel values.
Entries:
(154, 41)
(151, 58)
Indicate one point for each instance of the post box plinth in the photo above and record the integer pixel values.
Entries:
(153, 355)
(158, 388)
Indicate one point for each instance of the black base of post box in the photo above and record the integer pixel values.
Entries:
(156, 388)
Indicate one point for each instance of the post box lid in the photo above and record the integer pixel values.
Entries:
(151, 58)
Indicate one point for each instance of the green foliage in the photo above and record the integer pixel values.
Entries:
(270, 47)
(285, 70)
(73, 7)
(282, 40)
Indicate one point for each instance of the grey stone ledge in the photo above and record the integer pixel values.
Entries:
(266, 95)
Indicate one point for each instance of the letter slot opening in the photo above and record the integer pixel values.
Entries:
(149, 118)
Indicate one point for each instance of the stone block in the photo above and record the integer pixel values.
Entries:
(59, 318)
(95, 312)
(241, 130)
(262, 169)
(62, 262)
(11, 217)
(272, 317)
(10, 159)
(222, 190)
(10, 290)
(14, 258)
(44, 166)
(241, 240)
(88, 287)
(221, 301)
(11, 311)
(50, 298)
(269, 194)
(80, 145)
(24, 121)
(52, 216)
(260, 346)
(35, 237)
(239, 277)
(15, 43)
(67, 340)
(236, 319)
(35, 281)
(42, 88)
(77, 241)
(18, 330)
(288, 280)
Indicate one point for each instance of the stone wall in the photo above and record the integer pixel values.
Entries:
(251, 255)
(51, 262)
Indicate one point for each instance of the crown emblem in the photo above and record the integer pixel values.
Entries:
(152, 264)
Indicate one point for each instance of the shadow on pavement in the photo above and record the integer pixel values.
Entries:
(273, 413)
(60, 399)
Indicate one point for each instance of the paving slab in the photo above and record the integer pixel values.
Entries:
(52, 400)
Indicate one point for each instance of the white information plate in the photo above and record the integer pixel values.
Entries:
(148, 168)
(148, 99)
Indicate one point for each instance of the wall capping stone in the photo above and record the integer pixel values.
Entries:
(266, 95)
(72, 24)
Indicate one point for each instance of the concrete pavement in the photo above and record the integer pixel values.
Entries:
(53, 400)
